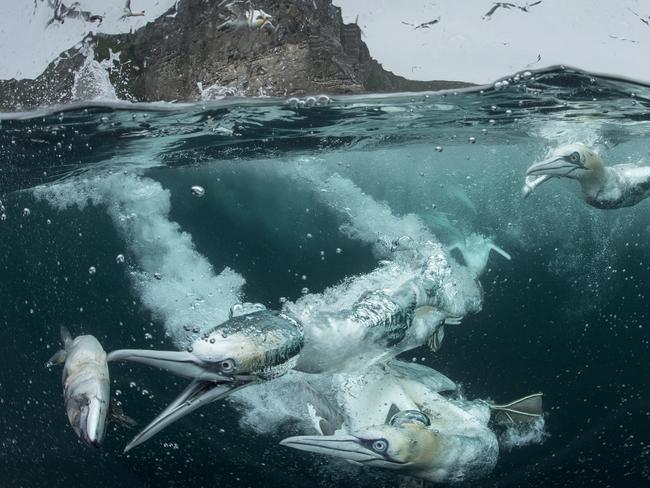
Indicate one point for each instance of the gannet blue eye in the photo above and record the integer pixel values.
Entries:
(380, 445)
(227, 365)
(575, 157)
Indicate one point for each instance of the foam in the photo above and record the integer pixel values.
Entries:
(517, 435)
(189, 292)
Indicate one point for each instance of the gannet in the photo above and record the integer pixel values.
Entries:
(256, 344)
(86, 389)
(130, 13)
(61, 12)
(250, 18)
(507, 5)
(475, 250)
(396, 418)
(606, 187)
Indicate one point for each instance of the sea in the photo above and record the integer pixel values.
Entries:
(132, 221)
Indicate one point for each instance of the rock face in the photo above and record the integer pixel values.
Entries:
(184, 56)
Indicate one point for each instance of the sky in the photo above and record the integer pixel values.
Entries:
(603, 36)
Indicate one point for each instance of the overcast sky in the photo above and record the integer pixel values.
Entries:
(602, 36)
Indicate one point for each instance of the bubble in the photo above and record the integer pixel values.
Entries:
(132, 384)
(148, 336)
(304, 291)
(492, 121)
(26, 212)
(309, 236)
(3, 217)
(472, 140)
(92, 270)
(339, 250)
(48, 222)
(324, 99)
(439, 148)
(282, 299)
(119, 259)
(303, 277)
(158, 276)
(198, 191)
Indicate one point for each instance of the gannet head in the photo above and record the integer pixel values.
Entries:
(254, 345)
(407, 443)
(575, 161)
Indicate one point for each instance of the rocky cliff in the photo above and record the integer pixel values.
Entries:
(184, 56)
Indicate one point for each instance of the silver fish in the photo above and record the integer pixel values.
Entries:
(86, 389)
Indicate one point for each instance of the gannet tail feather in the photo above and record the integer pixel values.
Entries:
(520, 411)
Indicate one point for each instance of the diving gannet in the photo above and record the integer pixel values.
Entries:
(606, 187)
(475, 250)
(256, 344)
(396, 418)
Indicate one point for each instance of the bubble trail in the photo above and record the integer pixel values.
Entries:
(173, 279)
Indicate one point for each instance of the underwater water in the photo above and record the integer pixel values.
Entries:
(296, 199)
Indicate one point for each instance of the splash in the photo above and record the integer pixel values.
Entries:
(92, 81)
(517, 435)
(173, 280)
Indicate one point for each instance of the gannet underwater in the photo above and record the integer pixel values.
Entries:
(349, 291)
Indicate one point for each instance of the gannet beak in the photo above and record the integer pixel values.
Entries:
(554, 166)
(343, 446)
(207, 385)
(197, 394)
(180, 363)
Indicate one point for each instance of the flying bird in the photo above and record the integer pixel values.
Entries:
(506, 5)
(423, 25)
(130, 13)
(61, 12)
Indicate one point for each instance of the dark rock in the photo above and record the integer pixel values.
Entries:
(311, 51)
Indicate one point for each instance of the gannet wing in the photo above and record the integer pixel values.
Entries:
(503, 253)
(520, 411)
(428, 377)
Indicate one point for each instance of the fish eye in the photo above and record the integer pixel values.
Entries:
(227, 365)
(380, 445)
